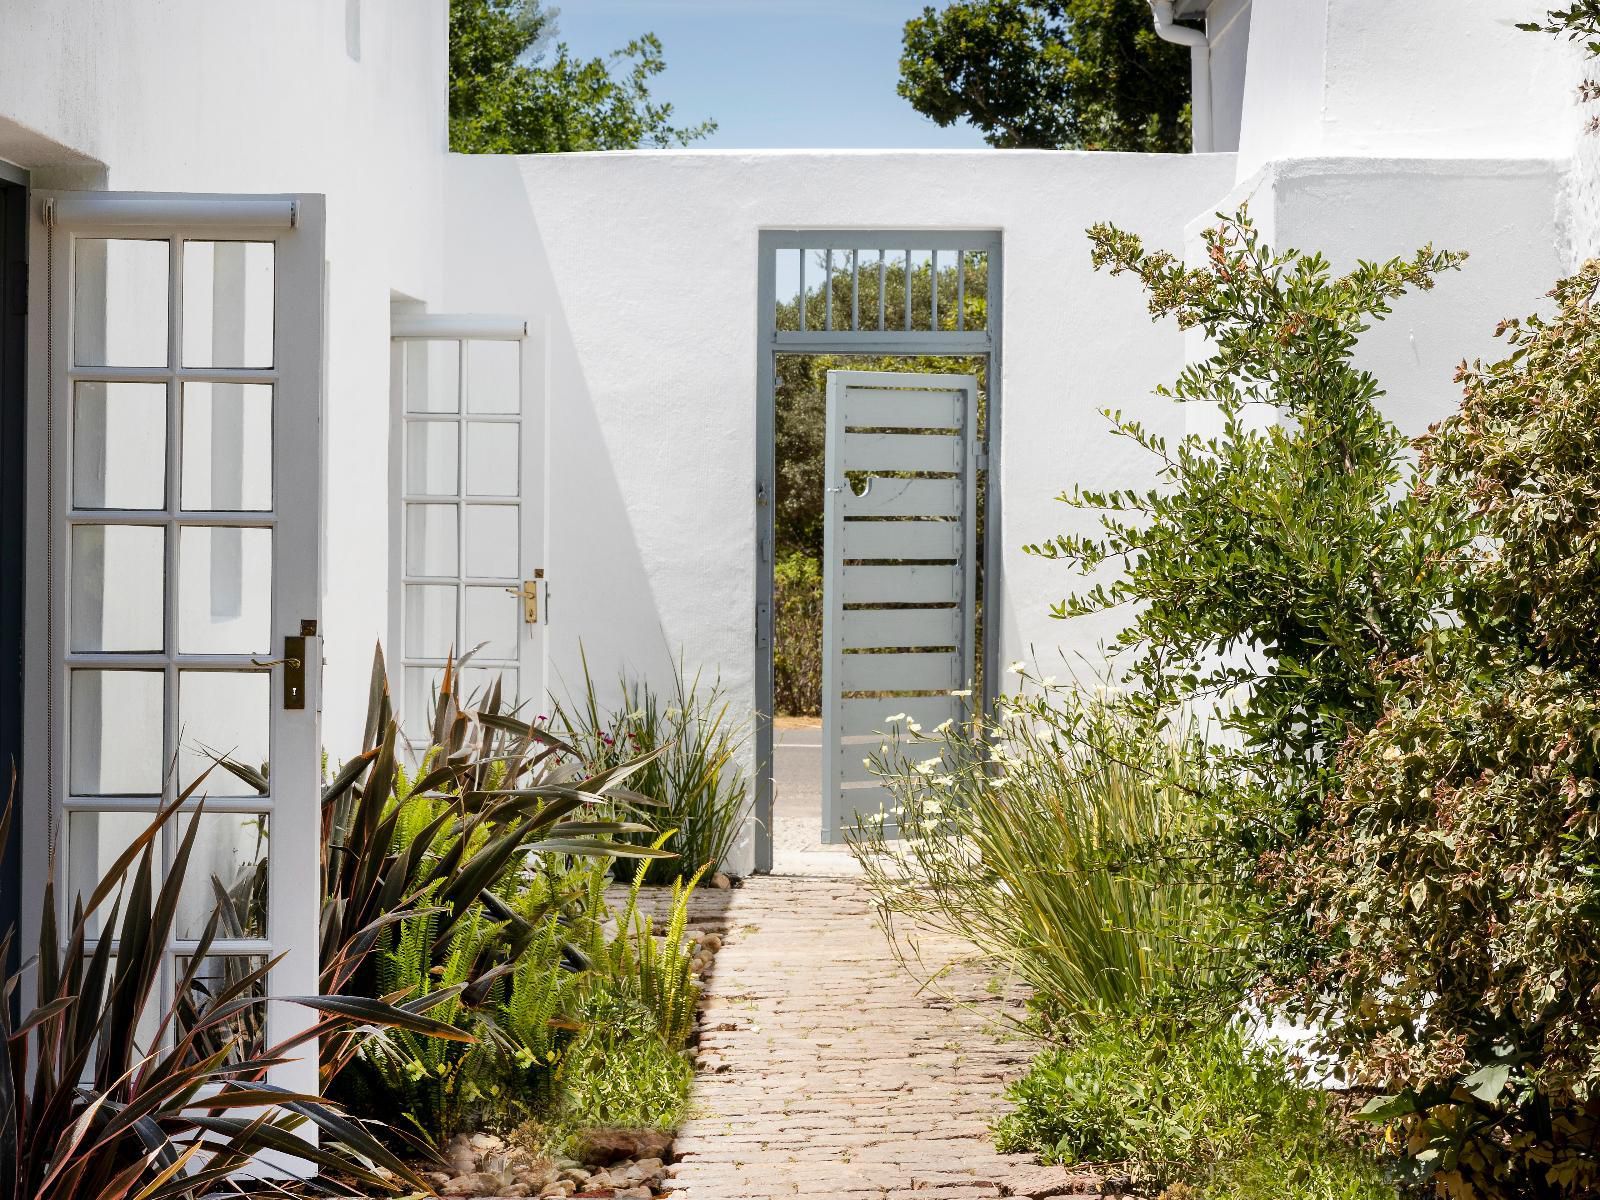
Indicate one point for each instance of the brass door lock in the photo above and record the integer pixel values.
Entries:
(529, 591)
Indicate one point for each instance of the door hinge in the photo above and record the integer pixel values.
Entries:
(983, 456)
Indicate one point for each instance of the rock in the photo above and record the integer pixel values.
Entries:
(561, 1187)
(1040, 1183)
(463, 1159)
(633, 1193)
(486, 1143)
(710, 944)
(721, 882)
(602, 1147)
(649, 1168)
(437, 1178)
(478, 1183)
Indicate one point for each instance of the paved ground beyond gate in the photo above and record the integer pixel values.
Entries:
(824, 1071)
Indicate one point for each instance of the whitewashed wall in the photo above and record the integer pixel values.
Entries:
(639, 273)
(343, 97)
(1424, 78)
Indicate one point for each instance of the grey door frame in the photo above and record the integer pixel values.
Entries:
(770, 343)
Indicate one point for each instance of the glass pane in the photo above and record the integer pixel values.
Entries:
(494, 377)
(494, 617)
(431, 539)
(115, 734)
(492, 541)
(227, 304)
(227, 873)
(94, 840)
(227, 446)
(119, 306)
(432, 458)
(416, 713)
(222, 714)
(224, 590)
(119, 445)
(492, 458)
(116, 588)
(242, 1032)
(433, 376)
(477, 682)
(430, 621)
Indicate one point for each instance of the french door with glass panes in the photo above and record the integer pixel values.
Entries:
(174, 567)
(468, 527)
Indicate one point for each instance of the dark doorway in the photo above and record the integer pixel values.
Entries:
(13, 328)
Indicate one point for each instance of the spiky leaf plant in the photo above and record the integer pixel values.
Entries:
(87, 1113)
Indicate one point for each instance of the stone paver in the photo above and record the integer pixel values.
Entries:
(825, 1072)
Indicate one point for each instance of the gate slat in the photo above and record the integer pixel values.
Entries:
(888, 497)
(907, 408)
(926, 672)
(868, 628)
(901, 539)
(901, 452)
(868, 800)
(935, 583)
(869, 719)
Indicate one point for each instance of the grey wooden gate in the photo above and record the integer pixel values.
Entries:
(899, 573)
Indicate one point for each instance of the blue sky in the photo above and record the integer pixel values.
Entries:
(773, 73)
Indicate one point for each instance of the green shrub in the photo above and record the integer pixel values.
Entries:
(1203, 1107)
(692, 782)
(1459, 875)
(1271, 566)
(797, 636)
(1058, 840)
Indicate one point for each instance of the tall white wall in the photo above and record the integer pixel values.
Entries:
(343, 97)
(639, 274)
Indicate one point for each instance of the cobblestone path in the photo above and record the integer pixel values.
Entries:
(824, 1071)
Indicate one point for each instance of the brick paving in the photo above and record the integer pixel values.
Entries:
(825, 1072)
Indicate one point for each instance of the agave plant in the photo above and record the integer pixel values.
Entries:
(492, 800)
(88, 1114)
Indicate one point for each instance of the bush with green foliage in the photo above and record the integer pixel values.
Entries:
(478, 877)
(1201, 1109)
(690, 742)
(1275, 563)
(797, 635)
(1458, 876)
(1058, 840)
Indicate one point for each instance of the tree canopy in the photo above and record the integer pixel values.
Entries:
(1049, 74)
(514, 89)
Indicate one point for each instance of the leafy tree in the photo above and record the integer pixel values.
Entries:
(1049, 74)
(1458, 877)
(511, 94)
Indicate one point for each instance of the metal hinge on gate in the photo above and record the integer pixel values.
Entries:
(983, 456)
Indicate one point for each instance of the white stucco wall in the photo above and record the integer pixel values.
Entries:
(1426, 79)
(1511, 217)
(342, 97)
(639, 273)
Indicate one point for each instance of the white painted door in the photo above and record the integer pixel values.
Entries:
(899, 572)
(174, 569)
(469, 521)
